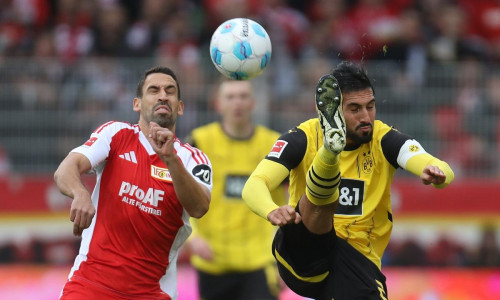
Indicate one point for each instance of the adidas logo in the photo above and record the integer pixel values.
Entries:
(130, 156)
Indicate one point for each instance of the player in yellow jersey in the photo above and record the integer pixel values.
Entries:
(230, 244)
(340, 164)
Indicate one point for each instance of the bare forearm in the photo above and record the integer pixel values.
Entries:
(68, 179)
(194, 197)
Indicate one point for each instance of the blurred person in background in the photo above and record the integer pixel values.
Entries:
(331, 33)
(148, 185)
(341, 259)
(450, 39)
(482, 121)
(232, 257)
(406, 55)
(73, 35)
(483, 23)
(375, 23)
(110, 29)
(5, 163)
(487, 254)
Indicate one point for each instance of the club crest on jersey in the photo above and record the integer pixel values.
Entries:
(278, 148)
(90, 141)
(161, 173)
(414, 148)
(367, 163)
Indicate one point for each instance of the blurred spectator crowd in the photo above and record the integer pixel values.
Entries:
(435, 65)
(440, 30)
(434, 62)
(446, 252)
(443, 252)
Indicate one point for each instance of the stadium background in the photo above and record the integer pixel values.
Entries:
(66, 66)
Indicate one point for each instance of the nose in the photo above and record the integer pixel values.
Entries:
(364, 116)
(162, 97)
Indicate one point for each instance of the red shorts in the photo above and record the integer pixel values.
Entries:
(79, 288)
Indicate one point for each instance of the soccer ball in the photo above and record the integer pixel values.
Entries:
(240, 49)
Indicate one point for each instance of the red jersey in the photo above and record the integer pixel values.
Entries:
(132, 244)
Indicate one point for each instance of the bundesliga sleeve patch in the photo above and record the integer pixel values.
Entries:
(203, 172)
(278, 148)
(91, 141)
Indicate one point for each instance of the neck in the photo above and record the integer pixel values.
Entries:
(239, 131)
(144, 126)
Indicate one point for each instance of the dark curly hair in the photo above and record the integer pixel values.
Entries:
(351, 77)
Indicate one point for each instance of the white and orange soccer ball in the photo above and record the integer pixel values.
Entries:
(240, 49)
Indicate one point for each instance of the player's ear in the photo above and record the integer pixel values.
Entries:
(137, 104)
(180, 109)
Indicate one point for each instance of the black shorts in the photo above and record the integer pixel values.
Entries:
(239, 285)
(325, 266)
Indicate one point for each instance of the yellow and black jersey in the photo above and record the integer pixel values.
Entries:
(363, 217)
(240, 240)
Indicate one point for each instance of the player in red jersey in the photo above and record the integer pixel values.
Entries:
(148, 185)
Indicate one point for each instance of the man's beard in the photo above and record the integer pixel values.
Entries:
(164, 120)
(359, 139)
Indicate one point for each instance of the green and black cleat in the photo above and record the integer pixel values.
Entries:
(330, 114)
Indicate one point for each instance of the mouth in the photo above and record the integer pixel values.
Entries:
(364, 127)
(162, 109)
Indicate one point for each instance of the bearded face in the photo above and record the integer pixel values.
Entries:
(359, 114)
(360, 137)
(159, 102)
(162, 116)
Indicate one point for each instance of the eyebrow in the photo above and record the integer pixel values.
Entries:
(155, 86)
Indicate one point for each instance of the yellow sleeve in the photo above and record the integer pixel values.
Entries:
(194, 227)
(257, 190)
(417, 163)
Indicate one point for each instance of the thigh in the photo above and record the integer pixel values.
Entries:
(325, 266)
(303, 258)
(354, 276)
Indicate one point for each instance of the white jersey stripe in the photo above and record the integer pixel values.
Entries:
(196, 153)
(193, 154)
(132, 156)
(102, 126)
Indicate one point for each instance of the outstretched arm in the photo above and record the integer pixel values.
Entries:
(430, 170)
(257, 193)
(68, 180)
(402, 150)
